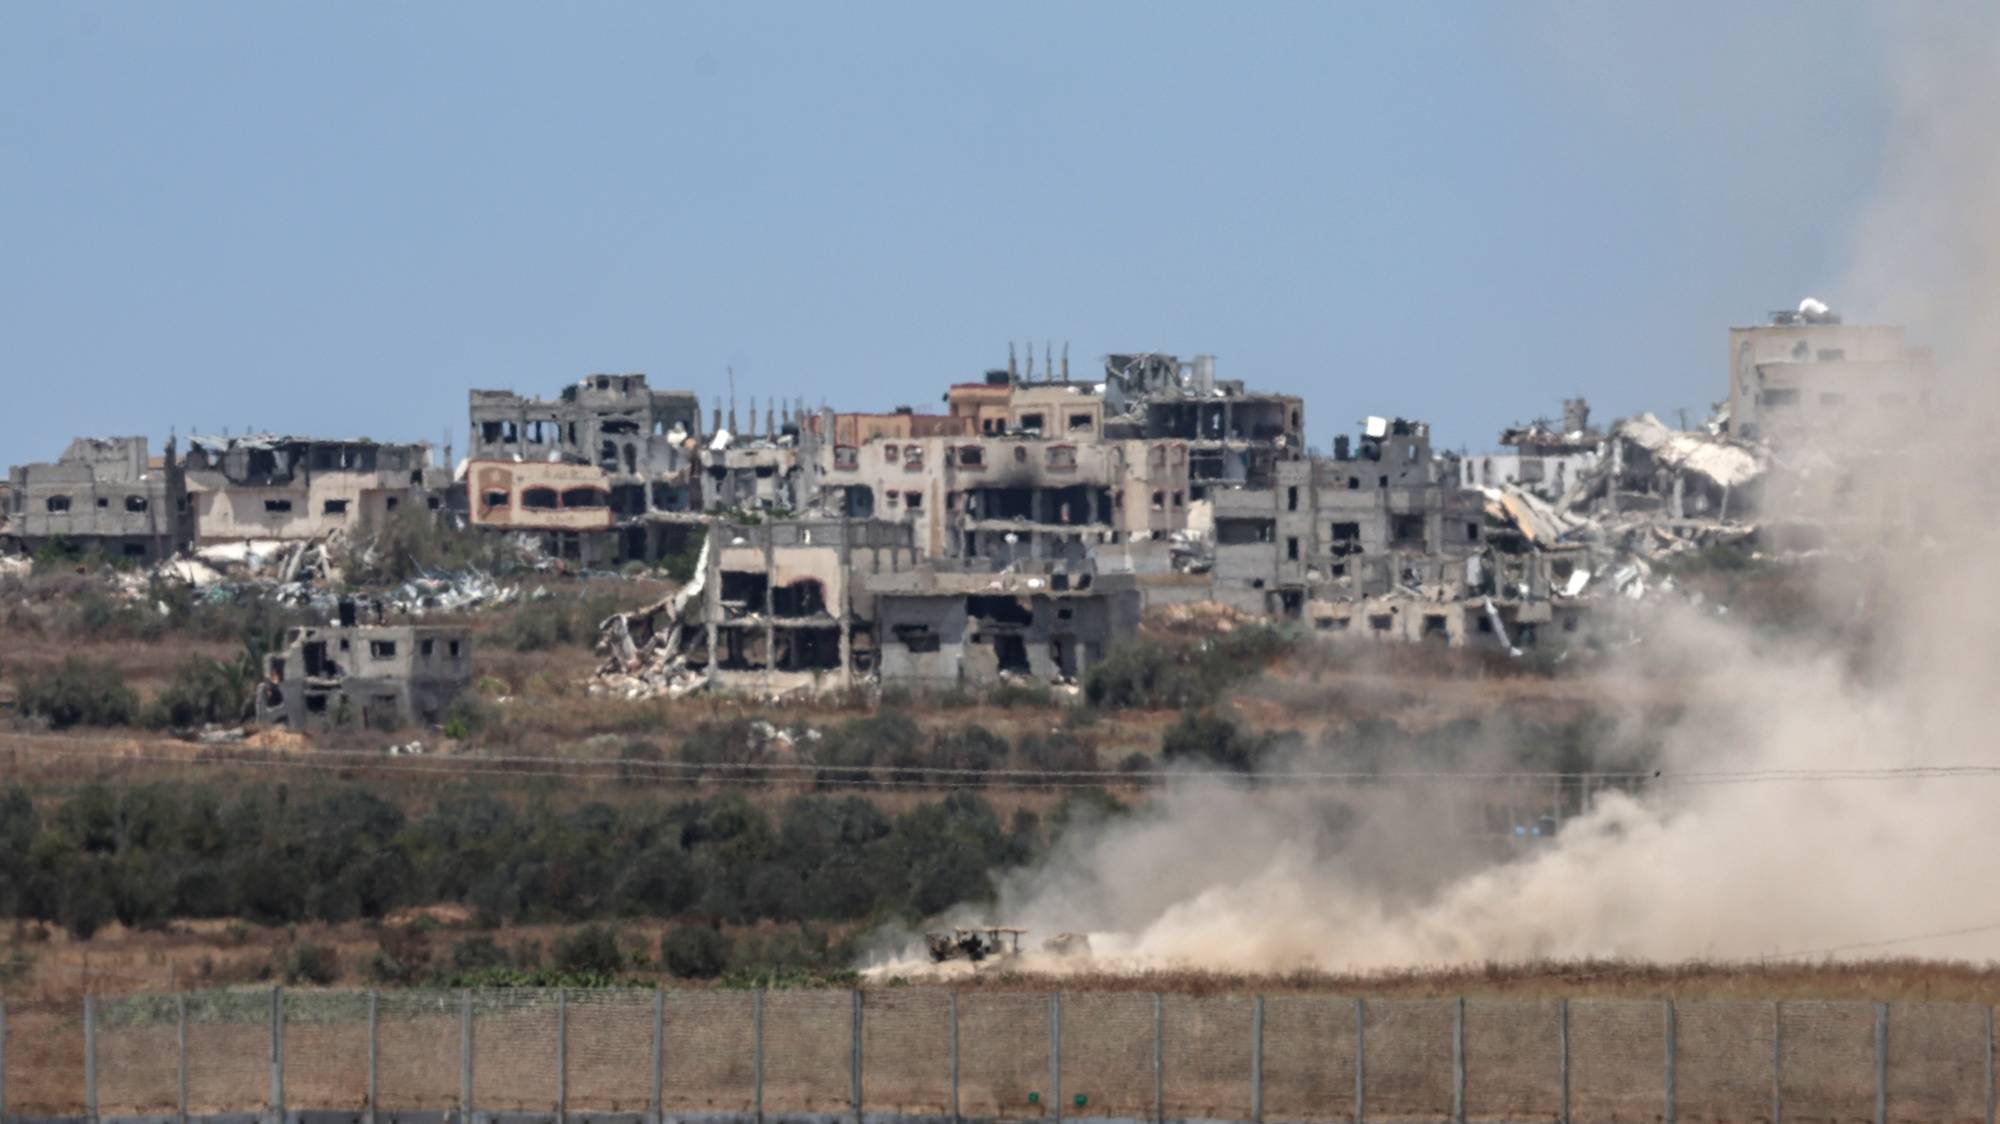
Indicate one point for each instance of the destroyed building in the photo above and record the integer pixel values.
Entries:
(102, 495)
(614, 471)
(271, 487)
(939, 626)
(753, 469)
(1804, 373)
(1341, 527)
(380, 675)
(1544, 456)
(773, 608)
(1025, 526)
(811, 605)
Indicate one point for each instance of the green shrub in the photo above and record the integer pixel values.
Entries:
(1057, 752)
(694, 952)
(201, 691)
(591, 950)
(853, 748)
(476, 952)
(1215, 738)
(680, 566)
(971, 747)
(732, 749)
(78, 692)
(467, 715)
(309, 963)
(1149, 675)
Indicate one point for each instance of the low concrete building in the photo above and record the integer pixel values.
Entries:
(103, 495)
(939, 627)
(382, 676)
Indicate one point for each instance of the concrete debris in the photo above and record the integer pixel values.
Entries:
(1537, 521)
(1724, 464)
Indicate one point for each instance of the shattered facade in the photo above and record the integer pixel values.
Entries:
(105, 495)
(1805, 373)
(382, 676)
(1544, 456)
(812, 605)
(614, 471)
(266, 487)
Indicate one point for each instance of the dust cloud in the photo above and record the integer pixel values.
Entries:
(1778, 856)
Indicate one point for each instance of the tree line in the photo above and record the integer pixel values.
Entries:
(334, 851)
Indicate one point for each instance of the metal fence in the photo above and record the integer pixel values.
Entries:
(509, 1057)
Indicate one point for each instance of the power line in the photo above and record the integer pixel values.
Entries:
(1858, 945)
(758, 772)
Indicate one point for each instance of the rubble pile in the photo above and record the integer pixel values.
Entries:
(642, 648)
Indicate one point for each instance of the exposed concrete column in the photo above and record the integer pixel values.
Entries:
(712, 589)
(846, 606)
(1617, 474)
(770, 605)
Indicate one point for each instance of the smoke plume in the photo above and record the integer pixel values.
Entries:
(1694, 866)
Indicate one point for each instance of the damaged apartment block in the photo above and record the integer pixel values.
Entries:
(941, 626)
(268, 487)
(381, 676)
(773, 608)
(811, 605)
(613, 471)
(103, 495)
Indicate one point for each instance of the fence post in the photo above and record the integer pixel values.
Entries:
(374, 1058)
(1562, 1055)
(1989, 1065)
(854, 1056)
(1777, 1061)
(954, 1056)
(1881, 1063)
(181, 1058)
(1360, 1060)
(3, 1057)
(659, 1054)
(278, 1055)
(1257, 1059)
(1673, 1033)
(1458, 1061)
(1159, 1058)
(562, 1055)
(1055, 1053)
(465, 1109)
(90, 1057)
(757, 1050)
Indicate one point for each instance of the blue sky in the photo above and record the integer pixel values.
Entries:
(334, 219)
